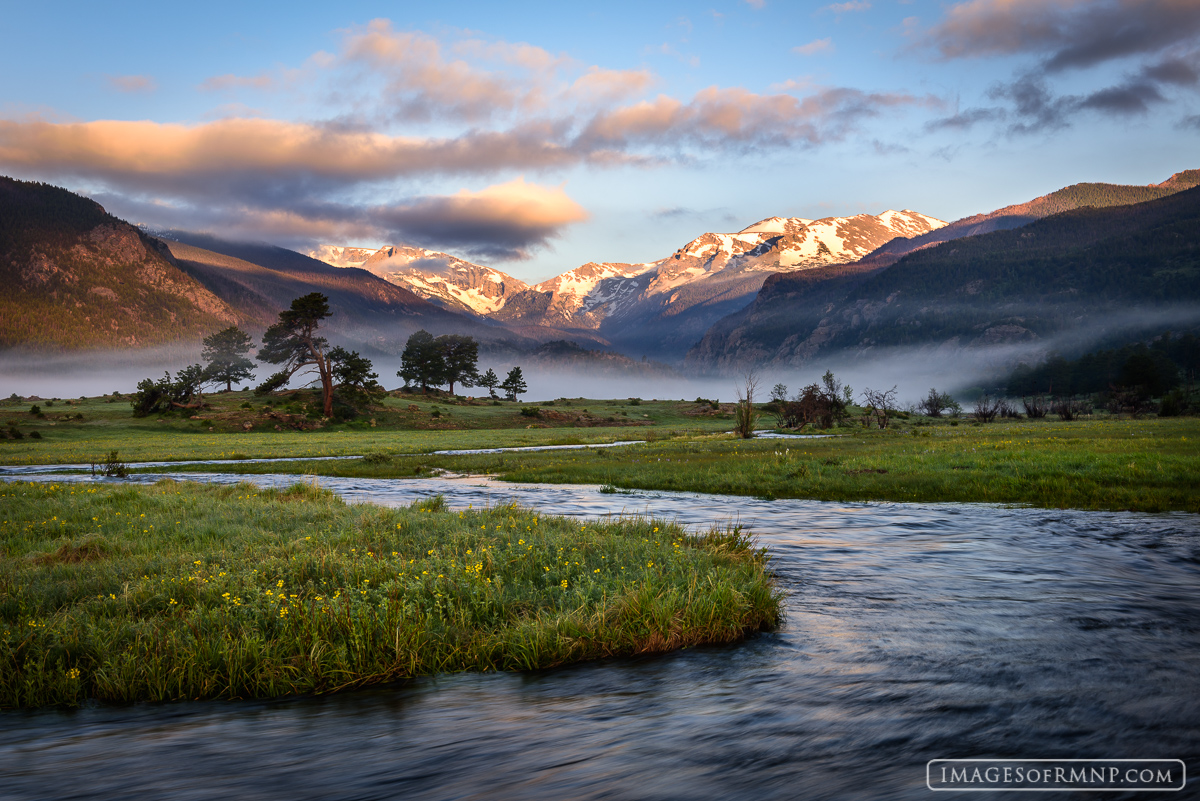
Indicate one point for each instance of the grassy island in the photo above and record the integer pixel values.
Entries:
(181, 591)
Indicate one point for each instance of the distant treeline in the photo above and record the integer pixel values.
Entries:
(1157, 368)
(37, 212)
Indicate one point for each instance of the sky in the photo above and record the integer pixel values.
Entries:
(535, 137)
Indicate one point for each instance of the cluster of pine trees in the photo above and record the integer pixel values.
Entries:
(1154, 370)
(452, 359)
(295, 344)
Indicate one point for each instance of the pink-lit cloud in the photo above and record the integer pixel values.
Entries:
(496, 109)
(132, 84)
(221, 83)
(815, 46)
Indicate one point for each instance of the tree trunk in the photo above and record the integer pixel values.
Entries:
(326, 386)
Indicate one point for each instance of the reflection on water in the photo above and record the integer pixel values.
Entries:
(913, 632)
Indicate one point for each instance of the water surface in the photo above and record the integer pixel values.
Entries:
(913, 632)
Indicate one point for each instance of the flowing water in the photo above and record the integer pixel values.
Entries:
(913, 632)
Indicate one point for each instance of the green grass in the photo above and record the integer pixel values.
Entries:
(184, 591)
(392, 428)
(1147, 465)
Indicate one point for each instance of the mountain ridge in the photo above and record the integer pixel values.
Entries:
(659, 307)
(1079, 269)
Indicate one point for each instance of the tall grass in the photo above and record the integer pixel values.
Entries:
(1149, 465)
(181, 591)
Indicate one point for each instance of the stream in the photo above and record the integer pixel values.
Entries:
(913, 632)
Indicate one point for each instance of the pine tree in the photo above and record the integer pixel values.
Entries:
(293, 342)
(460, 354)
(422, 361)
(489, 380)
(514, 384)
(356, 382)
(225, 354)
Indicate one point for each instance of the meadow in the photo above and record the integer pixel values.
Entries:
(1148, 465)
(181, 591)
(240, 424)
(1102, 462)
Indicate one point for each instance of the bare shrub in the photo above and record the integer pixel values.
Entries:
(1035, 407)
(937, 402)
(877, 403)
(986, 408)
(1007, 409)
(745, 417)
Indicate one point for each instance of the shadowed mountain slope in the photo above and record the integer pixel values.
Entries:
(77, 278)
(1090, 269)
(1071, 197)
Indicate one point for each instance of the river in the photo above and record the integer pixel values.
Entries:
(913, 632)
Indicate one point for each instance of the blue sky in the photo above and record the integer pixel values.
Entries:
(536, 137)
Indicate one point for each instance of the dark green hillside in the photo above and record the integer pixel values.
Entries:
(1085, 267)
(1068, 198)
(1147, 251)
(1158, 367)
(76, 277)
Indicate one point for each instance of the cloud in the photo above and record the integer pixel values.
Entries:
(816, 46)
(964, 120)
(222, 83)
(756, 4)
(132, 84)
(503, 222)
(1066, 33)
(601, 86)
(265, 156)
(500, 222)
(1155, 40)
(730, 117)
(850, 6)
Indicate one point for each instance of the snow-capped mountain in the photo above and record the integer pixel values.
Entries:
(341, 256)
(669, 302)
(438, 277)
(660, 307)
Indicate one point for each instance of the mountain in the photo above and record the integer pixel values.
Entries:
(261, 280)
(445, 280)
(662, 307)
(79, 278)
(658, 308)
(1065, 199)
(340, 256)
(1085, 270)
(442, 279)
(76, 277)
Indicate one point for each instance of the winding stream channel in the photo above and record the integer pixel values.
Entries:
(913, 632)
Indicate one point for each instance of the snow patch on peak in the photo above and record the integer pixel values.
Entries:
(341, 255)
(776, 225)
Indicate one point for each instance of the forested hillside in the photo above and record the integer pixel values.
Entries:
(1097, 195)
(76, 277)
(1086, 267)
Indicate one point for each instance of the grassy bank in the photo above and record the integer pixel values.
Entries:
(1148, 465)
(242, 424)
(1144, 465)
(180, 591)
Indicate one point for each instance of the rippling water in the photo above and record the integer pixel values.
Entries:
(913, 632)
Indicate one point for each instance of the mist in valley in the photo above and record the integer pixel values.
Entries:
(949, 367)
(912, 371)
